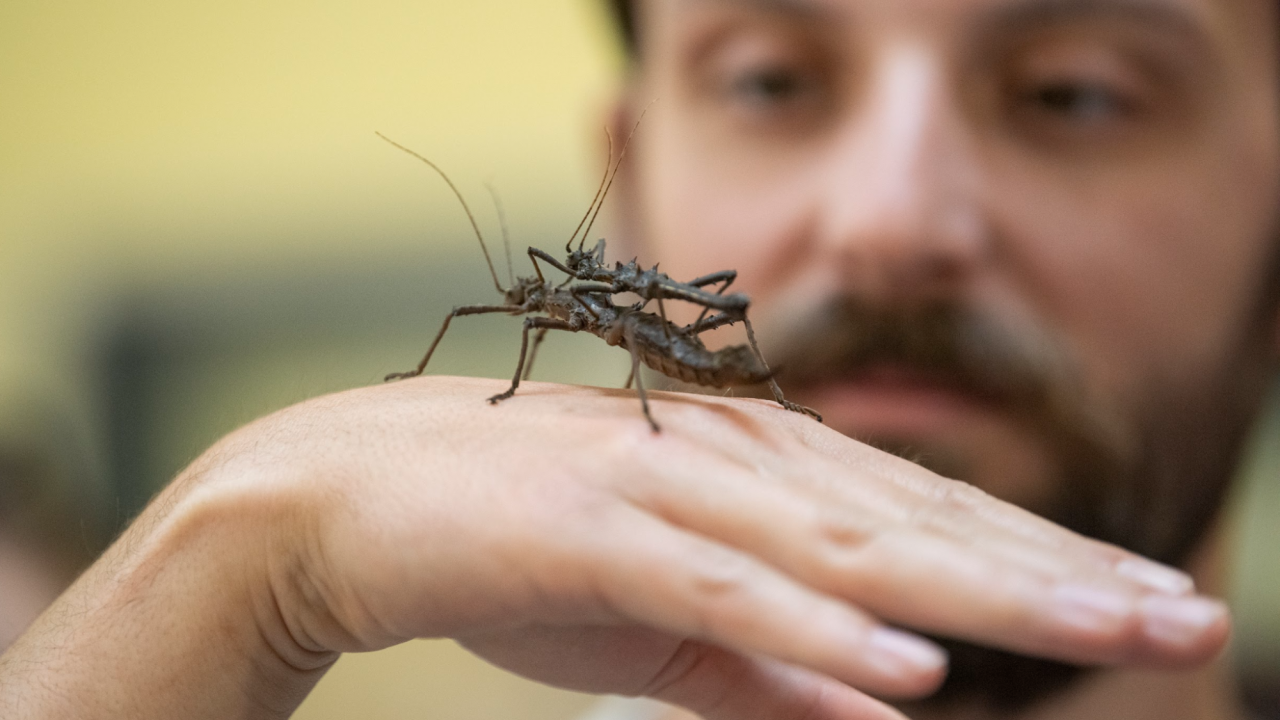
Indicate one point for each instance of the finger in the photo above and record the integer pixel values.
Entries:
(987, 587)
(721, 685)
(779, 444)
(1015, 520)
(689, 586)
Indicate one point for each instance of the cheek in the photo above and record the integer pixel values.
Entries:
(705, 211)
(1151, 273)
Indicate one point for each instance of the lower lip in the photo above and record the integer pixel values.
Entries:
(894, 404)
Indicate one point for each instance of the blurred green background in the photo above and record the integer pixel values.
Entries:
(198, 226)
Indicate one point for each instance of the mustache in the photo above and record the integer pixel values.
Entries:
(1022, 367)
(953, 344)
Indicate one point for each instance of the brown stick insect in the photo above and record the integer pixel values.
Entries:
(584, 303)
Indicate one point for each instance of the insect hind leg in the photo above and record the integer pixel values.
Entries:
(773, 384)
(533, 323)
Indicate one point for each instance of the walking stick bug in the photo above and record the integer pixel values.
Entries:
(584, 302)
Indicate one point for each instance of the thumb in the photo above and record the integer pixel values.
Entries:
(718, 684)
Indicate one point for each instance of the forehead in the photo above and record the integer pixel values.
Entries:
(1201, 20)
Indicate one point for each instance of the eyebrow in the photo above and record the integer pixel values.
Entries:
(1020, 16)
(799, 8)
(1013, 16)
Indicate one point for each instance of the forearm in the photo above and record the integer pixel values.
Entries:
(180, 618)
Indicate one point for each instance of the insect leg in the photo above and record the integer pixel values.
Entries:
(734, 302)
(635, 375)
(577, 291)
(535, 254)
(536, 323)
(725, 276)
(533, 352)
(666, 325)
(773, 384)
(713, 322)
(458, 311)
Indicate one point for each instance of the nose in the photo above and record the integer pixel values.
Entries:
(901, 216)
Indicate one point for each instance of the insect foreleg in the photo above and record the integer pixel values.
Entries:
(538, 323)
(773, 384)
(464, 310)
(535, 254)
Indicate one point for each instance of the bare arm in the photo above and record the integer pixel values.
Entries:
(741, 563)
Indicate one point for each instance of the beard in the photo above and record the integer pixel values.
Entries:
(1150, 477)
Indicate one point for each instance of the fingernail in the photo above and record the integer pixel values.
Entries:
(1091, 608)
(898, 653)
(1180, 620)
(1156, 576)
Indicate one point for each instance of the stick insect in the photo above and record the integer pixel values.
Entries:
(584, 302)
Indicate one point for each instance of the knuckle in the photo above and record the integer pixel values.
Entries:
(721, 576)
(843, 533)
(958, 495)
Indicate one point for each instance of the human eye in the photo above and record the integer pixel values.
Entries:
(768, 86)
(766, 82)
(1083, 93)
(1080, 101)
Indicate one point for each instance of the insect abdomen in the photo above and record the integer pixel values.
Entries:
(683, 357)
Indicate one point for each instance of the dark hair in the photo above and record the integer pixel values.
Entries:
(625, 20)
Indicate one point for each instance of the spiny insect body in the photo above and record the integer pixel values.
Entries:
(584, 301)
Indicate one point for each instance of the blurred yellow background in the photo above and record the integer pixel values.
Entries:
(145, 142)
(152, 150)
(198, 225)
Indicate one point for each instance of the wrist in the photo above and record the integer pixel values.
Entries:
(181, 617)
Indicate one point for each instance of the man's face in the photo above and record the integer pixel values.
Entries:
(1094, 179)
(1025, 241)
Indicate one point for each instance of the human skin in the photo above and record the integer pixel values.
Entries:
(901, 156)
(739, 563)
(1104, 173)
(742, 562)
(28, 586)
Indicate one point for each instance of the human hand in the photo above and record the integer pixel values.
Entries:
(742, 562)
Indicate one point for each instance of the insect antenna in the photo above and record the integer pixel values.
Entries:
(621, 154)
(506, 238)
(568, 247)
(462, 200)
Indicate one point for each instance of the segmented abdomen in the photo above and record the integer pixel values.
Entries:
(684, 357)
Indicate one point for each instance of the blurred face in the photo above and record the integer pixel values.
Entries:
(27, 587)
(1026, 242)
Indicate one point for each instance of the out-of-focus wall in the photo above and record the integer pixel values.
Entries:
(152, 143)
(154, 155)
